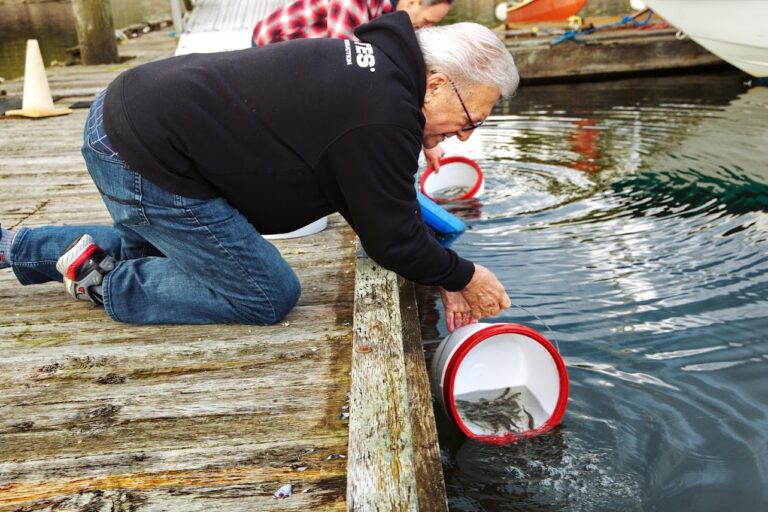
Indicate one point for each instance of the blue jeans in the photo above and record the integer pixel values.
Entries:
(179, 260)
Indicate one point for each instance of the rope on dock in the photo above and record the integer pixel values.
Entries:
(623, 22)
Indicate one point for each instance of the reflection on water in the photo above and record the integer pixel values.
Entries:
(53, 25)
(632, 217)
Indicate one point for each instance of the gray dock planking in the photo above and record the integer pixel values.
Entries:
(220, 25)
(229, 15)
(97, 415)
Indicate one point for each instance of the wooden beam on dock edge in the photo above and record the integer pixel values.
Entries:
(393, 457)
(610, 54)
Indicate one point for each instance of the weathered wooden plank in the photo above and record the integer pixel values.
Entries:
(614, 52)
(96, 415)
(225, 15)
(309, 454)
(139, 393)
(430, 483)
(245, 487)
(380, 471)
(85, 81)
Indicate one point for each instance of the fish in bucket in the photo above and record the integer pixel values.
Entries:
(458, 179)
(500, 382)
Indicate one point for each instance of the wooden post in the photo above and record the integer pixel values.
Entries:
(95, 31)
(393, 459)
(430, 483)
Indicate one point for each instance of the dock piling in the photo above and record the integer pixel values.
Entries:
(95, 31)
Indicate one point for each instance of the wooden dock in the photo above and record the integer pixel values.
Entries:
(98, 415)
(604, 54)
(220, 25)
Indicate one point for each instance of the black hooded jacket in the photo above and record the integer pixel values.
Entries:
(290, 132)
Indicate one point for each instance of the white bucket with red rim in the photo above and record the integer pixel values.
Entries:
(495, 362)
(459, 178)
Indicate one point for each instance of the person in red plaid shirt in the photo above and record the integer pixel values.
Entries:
(337, 19)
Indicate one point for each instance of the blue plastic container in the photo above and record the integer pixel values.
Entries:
(447, 227)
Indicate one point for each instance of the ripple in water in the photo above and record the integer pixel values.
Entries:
(632, 218)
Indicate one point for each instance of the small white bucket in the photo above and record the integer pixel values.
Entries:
(459, 178)
(498, 382)
(310, 229)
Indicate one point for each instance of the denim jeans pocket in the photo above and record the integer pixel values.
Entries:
(95, 133)
(119, 186)
(103, 151)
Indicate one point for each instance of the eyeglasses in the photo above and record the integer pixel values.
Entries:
(472, 125)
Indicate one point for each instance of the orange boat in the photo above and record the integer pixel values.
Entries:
(543, 10)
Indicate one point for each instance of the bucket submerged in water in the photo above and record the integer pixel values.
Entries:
(459, 178)
(500, 382)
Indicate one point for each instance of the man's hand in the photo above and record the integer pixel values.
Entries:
(433, 156)
(457, 310)
(485, 294)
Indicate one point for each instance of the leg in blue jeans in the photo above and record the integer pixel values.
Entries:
(180, 260)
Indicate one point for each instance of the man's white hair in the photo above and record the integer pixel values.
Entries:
(470, 54)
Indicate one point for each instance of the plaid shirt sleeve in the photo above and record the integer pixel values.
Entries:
(345, 15)
(317, 18)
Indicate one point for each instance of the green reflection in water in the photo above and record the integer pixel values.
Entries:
(53, 25)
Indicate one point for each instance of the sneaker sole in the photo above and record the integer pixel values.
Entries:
(75, 255)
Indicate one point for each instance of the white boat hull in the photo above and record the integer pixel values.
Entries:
(734, 30)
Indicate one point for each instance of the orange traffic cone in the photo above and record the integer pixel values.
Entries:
(37, 100)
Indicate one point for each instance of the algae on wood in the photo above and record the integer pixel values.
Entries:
(393, 457)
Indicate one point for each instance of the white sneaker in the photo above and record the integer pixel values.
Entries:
(83, 266)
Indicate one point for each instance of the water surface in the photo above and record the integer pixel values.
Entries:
(53, 25)
(632, 217)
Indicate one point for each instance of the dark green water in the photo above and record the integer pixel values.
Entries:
(632, 217)
(53, 25)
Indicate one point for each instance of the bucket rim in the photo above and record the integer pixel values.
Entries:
(450, 160)
(478, 337)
